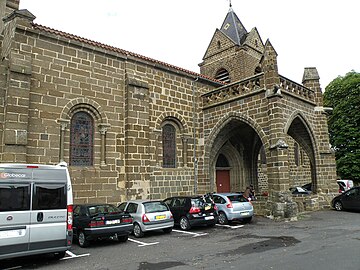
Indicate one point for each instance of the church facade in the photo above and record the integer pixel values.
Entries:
(133, 127)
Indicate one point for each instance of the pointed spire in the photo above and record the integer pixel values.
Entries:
(233, 28)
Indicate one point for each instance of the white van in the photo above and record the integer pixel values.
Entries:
(36, 204)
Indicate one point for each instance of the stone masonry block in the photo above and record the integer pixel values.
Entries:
(15, 137)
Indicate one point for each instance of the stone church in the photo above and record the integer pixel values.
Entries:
(129, 126)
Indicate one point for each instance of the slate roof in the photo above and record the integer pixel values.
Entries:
(233, 28)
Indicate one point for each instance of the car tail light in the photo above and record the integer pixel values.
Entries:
(69, 219)
(127, 220)
(145, 219)
(215, 207)
(171, 216)
(229, 205)
(96, 223)
(194, 210)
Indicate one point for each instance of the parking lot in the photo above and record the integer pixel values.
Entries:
(317, 238)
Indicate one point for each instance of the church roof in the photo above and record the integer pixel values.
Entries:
(233, 28)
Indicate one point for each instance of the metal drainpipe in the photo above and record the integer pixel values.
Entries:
(195, 160)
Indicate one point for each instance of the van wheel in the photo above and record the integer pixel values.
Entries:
(83, 242)
(184, 224)
(338, 206)
(223, 219)
(59, 255)
(137, 231)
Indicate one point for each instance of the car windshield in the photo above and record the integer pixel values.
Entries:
(152, 207)
(237, 198)
(102, 209)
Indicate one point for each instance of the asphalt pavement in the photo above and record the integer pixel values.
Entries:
(322, 240)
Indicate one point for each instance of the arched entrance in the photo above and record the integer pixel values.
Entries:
(234, 157)
(302, 165)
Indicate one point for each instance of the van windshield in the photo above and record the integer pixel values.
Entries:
(14, 197)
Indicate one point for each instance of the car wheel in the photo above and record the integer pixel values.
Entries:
(247, 220)
(59, 255)
(223, 219)
(83, 242)
(137, 231)
(338, 206)
(184, 224)
(167, 230)
(122, 238)
(211, 225)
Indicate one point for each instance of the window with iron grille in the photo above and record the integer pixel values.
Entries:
(169, 146)
(81, 140)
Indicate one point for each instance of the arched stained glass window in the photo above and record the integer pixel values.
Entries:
(169, 146)
(81, 139)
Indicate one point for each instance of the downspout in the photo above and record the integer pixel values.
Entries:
(195, 160)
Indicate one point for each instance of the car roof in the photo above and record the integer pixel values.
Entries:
(93, 204)
(186, 196)
(229, 194)
(142, 201)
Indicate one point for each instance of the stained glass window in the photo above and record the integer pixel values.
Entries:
(81, 140)
(169, 146)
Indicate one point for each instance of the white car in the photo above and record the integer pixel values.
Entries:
(148, 215)
(233, 206)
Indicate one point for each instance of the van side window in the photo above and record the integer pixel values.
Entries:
(14, 197)
(49, 196)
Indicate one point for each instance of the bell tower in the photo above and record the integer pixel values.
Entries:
(233, 53)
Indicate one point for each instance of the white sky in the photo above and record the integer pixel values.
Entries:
(305, 33)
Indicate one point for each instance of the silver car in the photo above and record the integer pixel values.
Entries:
(148, 215)
(233, 206)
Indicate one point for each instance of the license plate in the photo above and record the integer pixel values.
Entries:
(12, 233)
(209, 218)
(114, 221)
(244, 213)
(160, 217)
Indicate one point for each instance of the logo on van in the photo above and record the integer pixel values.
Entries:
(12, 175)
(9, 218)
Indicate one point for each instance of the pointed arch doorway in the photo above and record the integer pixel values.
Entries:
(222, 174)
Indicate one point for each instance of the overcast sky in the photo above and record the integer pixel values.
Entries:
(305, 33)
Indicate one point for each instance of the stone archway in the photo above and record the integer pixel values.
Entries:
(303, 166)
(239, 141)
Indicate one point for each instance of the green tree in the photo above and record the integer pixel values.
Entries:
(343, 95)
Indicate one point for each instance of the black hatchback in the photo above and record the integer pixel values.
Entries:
(189, 211)
(349, 200)
(100, 221)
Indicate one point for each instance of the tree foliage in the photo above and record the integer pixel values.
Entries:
(343, 95)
